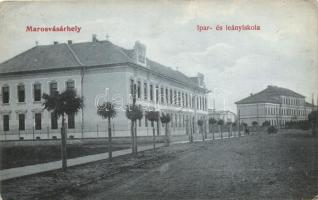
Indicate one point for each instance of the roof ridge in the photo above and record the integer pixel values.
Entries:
(74, 55)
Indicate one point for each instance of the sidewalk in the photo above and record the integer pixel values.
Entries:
(44, 167)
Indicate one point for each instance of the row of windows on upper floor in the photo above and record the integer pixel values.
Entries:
(36, 88)
(37, 121)
(166, 95)
(292, 101)
(286, 111)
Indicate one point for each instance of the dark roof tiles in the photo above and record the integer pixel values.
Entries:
(40, 58)
(269, 95)
(58, 56)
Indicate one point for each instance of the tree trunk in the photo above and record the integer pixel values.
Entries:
(110, 155)
(220, 130)
(63, 145)
(158, 128)
(135, 138)
(132, 137)
(167, 135)
(205, 131)
(212, 132)
(153, 136)
(192, 130)
(202, 132)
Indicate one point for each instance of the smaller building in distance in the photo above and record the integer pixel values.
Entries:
(225, 115)
(274, 104)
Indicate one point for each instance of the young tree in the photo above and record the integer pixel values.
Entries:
(313, 119)
(107, 111)
(246, 131)
(200, 124)
(254, 124)
(220, 124)
(61, 104)
(153, 116)
(234, 124)
(229, 125)
(212, 121)
(165, 119)
(134, 113)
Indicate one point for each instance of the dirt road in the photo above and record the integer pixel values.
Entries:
(283, 166)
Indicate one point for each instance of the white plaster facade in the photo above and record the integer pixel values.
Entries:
(98, 84)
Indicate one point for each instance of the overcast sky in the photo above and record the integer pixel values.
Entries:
(283, 53)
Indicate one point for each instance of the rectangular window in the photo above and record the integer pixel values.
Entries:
(182, 99)
(21, 122)
(71, 121)
(6, 122)
(138, 89)
(131, 86)
(151, 93)
(175, 97)
(70, 85)
(179, 99)
(203, 101)
(54, 124)
(167, 97)
(162, 98)
(37, 92)
(145, 91)
(171, 96)
(197, 98)
(53, 88)
(5, 94)
(157, 94)
(21, 93)
(186, 99)
(38, 121)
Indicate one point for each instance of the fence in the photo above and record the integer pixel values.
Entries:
(100, 130)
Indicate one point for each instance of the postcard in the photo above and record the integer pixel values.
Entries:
(136, 99)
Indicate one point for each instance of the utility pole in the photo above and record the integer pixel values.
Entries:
(239, 122)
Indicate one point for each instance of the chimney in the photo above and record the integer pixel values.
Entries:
(94, 38)
(69, 42)
(55, 42)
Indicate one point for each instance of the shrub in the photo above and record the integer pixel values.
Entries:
(266, 123)
(271, 129)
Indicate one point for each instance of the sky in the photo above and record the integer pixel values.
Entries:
(284, 52)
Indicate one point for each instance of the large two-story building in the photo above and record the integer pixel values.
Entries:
(274, 104)
(99, 71)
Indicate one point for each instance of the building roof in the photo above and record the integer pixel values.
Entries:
(88, 54)
(271, 94)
